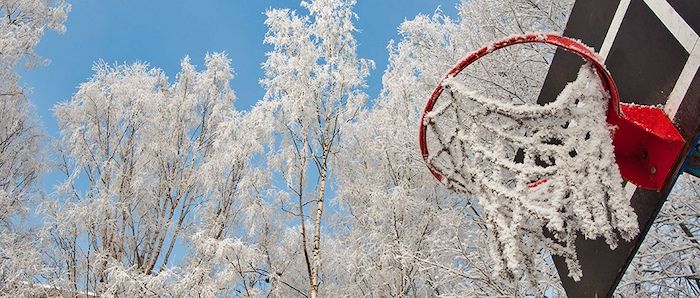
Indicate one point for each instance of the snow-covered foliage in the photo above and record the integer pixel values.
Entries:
(542, 174)
(22, 24)
(143, 159)
(313, 81)
(22, 162)
(667, 262)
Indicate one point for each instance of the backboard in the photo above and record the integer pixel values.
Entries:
(652, 49)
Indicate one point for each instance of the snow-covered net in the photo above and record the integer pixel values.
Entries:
(542, 174)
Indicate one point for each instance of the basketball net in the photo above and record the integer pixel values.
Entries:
(542, 174)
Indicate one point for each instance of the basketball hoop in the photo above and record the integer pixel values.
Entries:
(545, 173)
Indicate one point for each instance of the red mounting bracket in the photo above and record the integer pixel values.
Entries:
(646, 145)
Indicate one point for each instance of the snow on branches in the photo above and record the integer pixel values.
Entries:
(22, 158)
(667, 262)
(22, 24)
(314, 83)
(149, 164)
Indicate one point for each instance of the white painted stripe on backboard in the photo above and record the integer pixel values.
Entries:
(630, 189)
(684, 80)
(614, 27)
(690, 41)
(674, 23)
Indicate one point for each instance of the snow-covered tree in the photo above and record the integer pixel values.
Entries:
(149, 165)
(667, 262)
(405, 234)
(313, 80)
(22, 24)
(228, 248)
(22, 162)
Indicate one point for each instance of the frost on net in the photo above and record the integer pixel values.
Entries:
(542, 174)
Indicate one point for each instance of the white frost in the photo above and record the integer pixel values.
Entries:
(502, 153)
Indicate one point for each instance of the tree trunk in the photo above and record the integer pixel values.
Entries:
(316, 251)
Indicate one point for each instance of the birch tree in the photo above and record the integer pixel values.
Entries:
(22, 160)
(229, 247)
(140, 157)
(314, 79)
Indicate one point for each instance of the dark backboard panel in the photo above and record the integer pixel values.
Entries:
(652, 49)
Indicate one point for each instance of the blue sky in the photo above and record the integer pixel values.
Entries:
(162, 32)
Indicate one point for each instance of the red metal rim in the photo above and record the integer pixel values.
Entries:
(571, 45)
